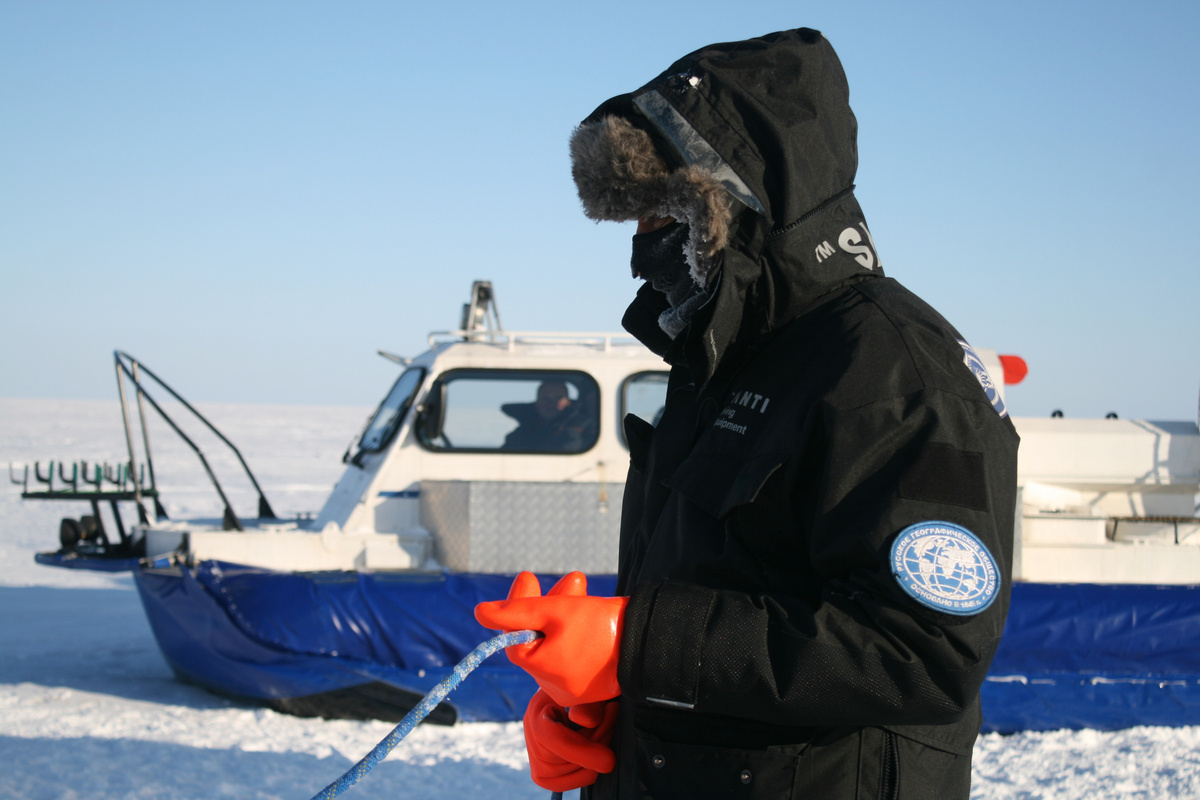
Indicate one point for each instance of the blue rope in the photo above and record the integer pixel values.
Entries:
(422, 709)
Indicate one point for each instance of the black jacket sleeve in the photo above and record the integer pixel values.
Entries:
(831, 638)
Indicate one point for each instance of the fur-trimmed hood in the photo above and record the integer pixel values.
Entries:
(753, 144)
(621, 176)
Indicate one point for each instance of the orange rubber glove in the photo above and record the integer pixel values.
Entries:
(576, 660)
(561, 756)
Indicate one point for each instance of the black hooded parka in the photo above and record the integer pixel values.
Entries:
(816, 411)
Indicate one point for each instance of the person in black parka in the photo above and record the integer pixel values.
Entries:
(816, 539)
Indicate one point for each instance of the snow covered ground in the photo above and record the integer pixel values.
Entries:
(88, 709)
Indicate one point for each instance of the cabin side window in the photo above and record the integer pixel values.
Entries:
(511, 411)
(383, 426)
(644, 394)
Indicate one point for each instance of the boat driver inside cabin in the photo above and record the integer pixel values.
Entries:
(545, 424)
(816, 538)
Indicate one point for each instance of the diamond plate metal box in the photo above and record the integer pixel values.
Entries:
(508, 526)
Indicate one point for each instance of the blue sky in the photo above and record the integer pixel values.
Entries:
(254, 197)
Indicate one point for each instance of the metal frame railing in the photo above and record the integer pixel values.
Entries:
(129, 368)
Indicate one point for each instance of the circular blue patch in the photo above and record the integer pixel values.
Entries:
(945, 567)
(975, 364)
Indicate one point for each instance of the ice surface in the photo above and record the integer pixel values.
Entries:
(89, 710)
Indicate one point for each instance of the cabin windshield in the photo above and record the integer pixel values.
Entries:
(392, 411)
(516, 411)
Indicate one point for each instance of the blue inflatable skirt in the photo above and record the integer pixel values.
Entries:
(345, 644)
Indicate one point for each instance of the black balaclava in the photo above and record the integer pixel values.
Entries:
(660, 258)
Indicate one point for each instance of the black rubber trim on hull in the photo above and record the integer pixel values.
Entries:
(366, 701)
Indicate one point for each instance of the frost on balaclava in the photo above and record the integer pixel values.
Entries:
(660, 258)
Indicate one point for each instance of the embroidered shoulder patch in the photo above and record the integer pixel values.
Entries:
(945, 567)
(975, 364)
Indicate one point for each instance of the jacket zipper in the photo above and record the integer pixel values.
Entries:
(889, 781)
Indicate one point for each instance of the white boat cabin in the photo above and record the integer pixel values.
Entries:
(499, 451)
